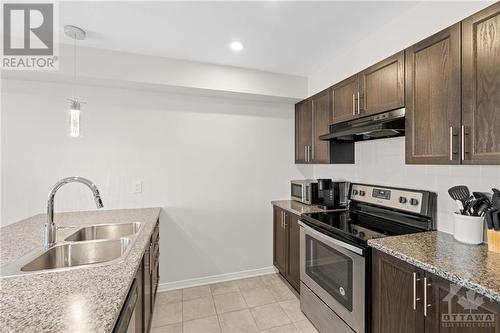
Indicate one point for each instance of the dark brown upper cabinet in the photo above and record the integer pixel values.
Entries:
(433, 99)
(321, 118)
(377, 89)
(481, 87)
(381, 86)
(344, 96)
(312, 119)
(303, 131)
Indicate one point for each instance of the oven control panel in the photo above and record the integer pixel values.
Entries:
(401, 199)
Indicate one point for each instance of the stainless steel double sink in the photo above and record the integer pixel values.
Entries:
(89, 245)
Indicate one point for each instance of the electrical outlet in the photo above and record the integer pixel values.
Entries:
(137, 186)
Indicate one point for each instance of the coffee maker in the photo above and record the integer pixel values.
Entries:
(332, 194)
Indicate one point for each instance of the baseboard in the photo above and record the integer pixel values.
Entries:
(215, 279)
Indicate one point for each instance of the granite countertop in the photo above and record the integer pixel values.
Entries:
(85, 299)
(470, 266)
(297, 208)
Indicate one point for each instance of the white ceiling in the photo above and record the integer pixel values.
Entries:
(283, 37)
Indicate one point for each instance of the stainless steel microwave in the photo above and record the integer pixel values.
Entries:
(305, 191)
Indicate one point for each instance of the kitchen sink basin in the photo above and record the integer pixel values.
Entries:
(105, 231)
(77, 254)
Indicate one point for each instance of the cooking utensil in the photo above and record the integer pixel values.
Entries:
(488, 216)
(461, 193)
(495, 199)
(469, 206)
(460, 206)
(479, 195)
(480, 206)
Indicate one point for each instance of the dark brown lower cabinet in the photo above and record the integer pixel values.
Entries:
(286, 245)
(146, 285)
(408, 299)
(279, 239)
(293, 275)
(392, 296)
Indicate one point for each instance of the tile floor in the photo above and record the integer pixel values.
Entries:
(264, 304)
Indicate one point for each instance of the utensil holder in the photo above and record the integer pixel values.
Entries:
(468, 229)
(493, 240)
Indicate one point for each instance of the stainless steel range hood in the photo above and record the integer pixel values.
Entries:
(383, 125)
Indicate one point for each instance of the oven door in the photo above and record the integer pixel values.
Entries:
(335, 272)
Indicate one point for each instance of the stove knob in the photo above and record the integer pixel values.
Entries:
(362, 234)
(403, 200)
(354, 231)
(362, 193)
(413, 202)
(354, 192)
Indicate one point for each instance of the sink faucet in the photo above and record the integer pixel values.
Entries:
(50, 227)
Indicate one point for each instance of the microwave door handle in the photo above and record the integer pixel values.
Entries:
(304, 198)
(320, 236)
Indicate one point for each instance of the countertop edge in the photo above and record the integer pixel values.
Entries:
(137, 264)
(305, 209)
(439, 272)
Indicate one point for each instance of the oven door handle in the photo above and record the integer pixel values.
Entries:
(320, 236)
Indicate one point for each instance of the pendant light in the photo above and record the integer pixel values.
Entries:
(74, 33)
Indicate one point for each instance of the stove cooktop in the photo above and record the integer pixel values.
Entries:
(357, 226)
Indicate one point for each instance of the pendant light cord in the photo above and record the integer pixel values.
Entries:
(74, 67)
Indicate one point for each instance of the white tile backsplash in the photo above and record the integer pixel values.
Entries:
(382, 162)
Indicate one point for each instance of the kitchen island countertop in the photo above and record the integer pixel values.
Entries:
(85, 299)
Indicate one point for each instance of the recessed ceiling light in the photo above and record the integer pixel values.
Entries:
(236, 46)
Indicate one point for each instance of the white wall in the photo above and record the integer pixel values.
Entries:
(213, 164)
(115, 69)
(417, 23)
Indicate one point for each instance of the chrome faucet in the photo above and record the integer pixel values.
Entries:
(50, 227)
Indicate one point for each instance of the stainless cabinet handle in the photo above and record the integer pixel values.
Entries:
(463, 142)
(150, 258)
(425, 296)
(415, 299)
(359, 111)
(305, 153)
(451, 143)
(312, 153)
(353, 105)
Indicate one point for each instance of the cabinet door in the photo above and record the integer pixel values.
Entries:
(344, 97)
(280, 240)
(303, 131)
(147, 290)
(293, 274)
(382, 85)
(433, 99)
(139, 316)
(321, 118)
(481, 87)
(445, 299)
(394, 296)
